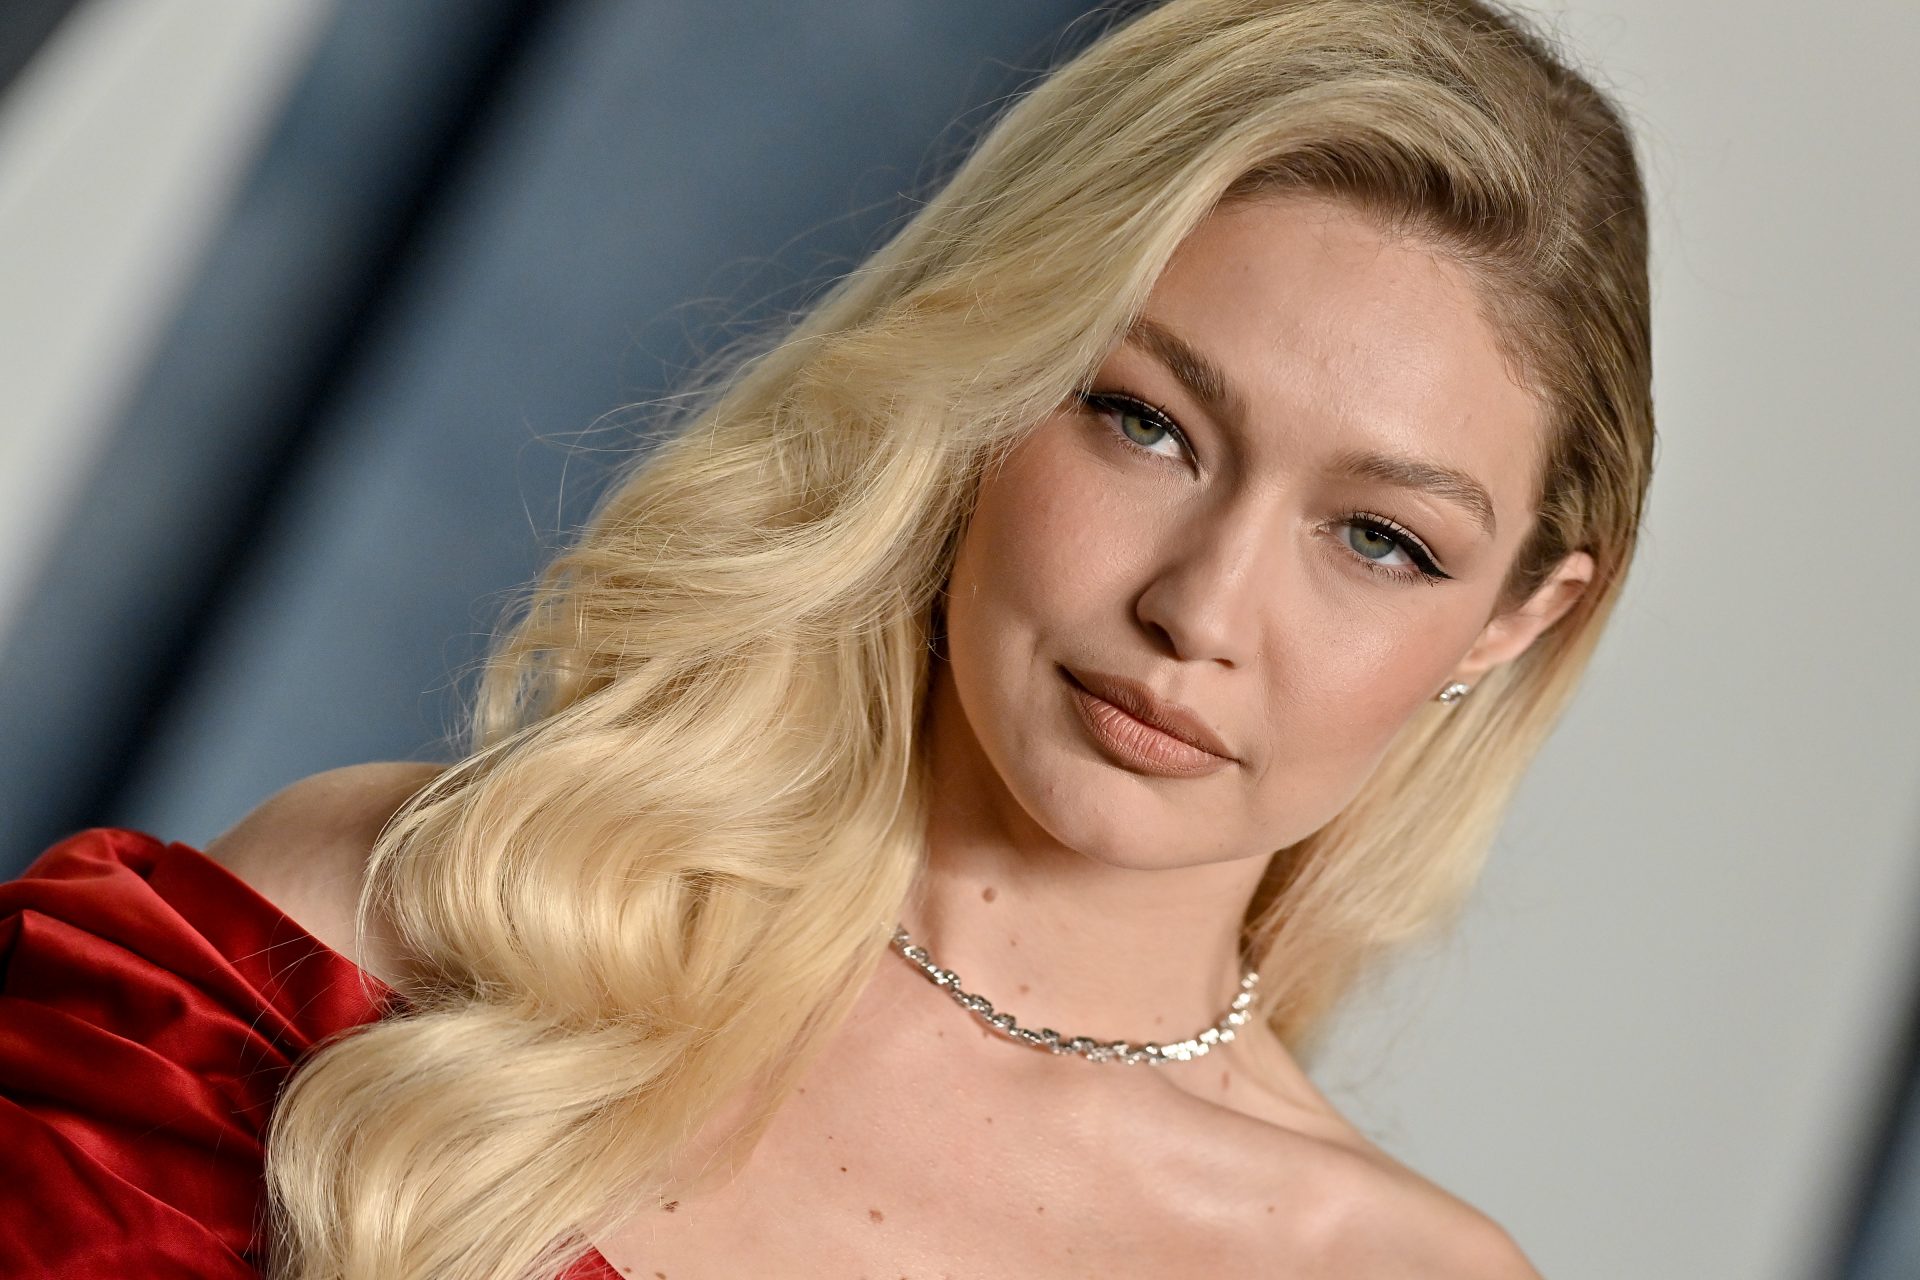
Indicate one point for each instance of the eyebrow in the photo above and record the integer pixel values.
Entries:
(1444, 483)
(1205, 381)
(1200, 376)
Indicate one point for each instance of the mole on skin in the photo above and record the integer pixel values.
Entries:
(874, 1215)
(987, 894)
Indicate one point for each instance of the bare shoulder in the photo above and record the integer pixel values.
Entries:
(1340, 1202)
(1373, 1217)
(1415, 1221)
(305, 850)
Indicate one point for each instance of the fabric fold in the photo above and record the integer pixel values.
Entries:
(152, 1004)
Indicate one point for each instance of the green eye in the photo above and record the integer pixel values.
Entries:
(1137, 422)
(1374, 540)
(1133, 423)
(1371, 533)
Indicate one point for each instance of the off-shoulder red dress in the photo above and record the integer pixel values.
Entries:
(151, 1006)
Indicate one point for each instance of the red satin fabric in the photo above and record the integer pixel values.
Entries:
(151, 1006)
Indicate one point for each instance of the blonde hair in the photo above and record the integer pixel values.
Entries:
(692, 805)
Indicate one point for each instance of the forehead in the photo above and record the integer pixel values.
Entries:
(1336, 336)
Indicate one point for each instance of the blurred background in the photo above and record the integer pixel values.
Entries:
(315, 316)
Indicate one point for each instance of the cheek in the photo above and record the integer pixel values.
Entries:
(1338, 700)
(1371, 674)
(1047, 547)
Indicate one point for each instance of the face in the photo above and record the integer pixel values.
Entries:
(1285, 506)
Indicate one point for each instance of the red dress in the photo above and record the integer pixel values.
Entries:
(151, 1006)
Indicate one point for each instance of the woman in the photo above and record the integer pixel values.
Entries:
(1130, 598)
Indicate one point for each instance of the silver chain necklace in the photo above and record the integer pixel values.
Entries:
(1047, 1038)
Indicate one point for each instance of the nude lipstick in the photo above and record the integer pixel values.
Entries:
(1175, 744)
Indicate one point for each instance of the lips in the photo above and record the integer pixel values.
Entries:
(1152, 734)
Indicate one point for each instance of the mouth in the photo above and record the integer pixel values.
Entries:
(1141, 732)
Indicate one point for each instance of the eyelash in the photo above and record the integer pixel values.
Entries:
(1427, 570)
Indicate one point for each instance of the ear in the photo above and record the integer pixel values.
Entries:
(1509, 635)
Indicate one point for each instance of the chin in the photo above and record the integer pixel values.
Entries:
(1119, 821)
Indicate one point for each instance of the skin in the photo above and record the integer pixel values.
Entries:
(1222, 568)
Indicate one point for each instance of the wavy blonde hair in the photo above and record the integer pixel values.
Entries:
(692, 807)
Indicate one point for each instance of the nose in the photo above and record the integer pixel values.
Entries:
(1215, 579)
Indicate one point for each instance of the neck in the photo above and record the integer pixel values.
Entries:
(1054, 935)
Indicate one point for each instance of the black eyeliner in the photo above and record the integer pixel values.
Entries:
(1143, 408)
(1408, 540)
